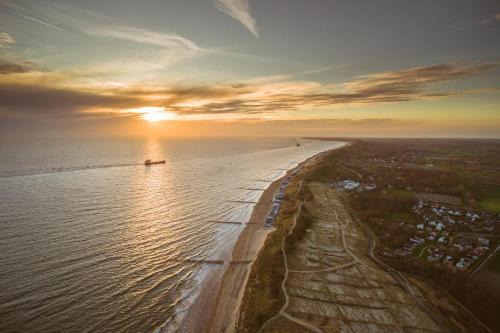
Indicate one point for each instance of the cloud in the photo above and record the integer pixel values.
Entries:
(70, 19)
(388, 87)
(9, 67)
(32, 94)
(173, 48)
(6, 40)
(22, 100)
(412, 80)
(25, 13)
(240, 11)
(169, 41)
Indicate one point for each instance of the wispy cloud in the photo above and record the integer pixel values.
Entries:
(172, 47)
(28, 14)
(240, 11)
(144, 36)
(415, 79)
(6, 40)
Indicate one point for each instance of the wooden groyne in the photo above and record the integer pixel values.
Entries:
(251, 189)
(242, 201)
(199, 261)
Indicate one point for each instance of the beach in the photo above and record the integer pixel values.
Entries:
(218, 311)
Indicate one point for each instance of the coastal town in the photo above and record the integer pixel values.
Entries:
(453, 236)
(448, 234)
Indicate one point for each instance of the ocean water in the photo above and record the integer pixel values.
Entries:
(91, 240)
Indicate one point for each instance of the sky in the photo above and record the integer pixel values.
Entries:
(374, 68)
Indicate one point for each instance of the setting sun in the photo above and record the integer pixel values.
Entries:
(153, 113)
(158, 116)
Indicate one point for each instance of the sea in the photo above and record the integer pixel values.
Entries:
(92, 240)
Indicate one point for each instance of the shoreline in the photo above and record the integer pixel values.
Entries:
(223, 315)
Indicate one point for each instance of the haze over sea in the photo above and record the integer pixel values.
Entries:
(92, 240)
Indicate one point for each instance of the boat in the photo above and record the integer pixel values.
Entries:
(150, 162)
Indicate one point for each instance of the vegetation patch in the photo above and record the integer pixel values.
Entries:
(489, 197)
(494, 264)
(263, 296)
(491, 204)
(404, 217)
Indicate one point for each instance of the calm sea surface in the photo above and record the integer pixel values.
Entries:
(91, 240)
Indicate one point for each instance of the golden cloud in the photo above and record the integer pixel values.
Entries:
(33, 92)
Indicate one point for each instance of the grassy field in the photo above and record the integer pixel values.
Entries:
(490, 198)
(494, 264)
(403, 216)
(491, 204)
(401, 193)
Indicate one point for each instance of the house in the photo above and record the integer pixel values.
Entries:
(351, 185)
(484, 242)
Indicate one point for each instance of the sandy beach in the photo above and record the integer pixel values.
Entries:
(216, 307)
(228, 299)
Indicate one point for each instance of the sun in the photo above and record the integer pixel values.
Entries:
(158, 116)
(153, 113)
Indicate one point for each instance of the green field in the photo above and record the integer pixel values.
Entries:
(494, 264)
(403, 216)
(491, 204)
(402, 193)
(491, 198)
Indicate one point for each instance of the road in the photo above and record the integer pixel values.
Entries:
(425, 248)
